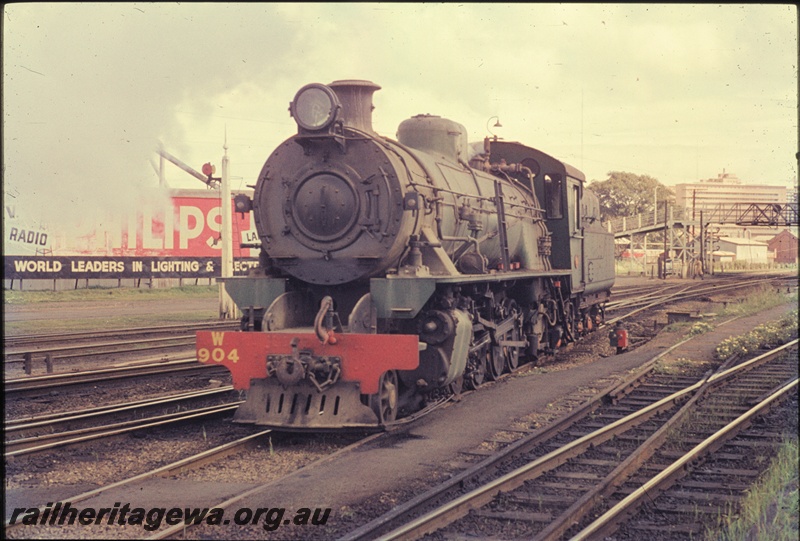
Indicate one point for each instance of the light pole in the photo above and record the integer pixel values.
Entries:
(227, 308)
(495, 125)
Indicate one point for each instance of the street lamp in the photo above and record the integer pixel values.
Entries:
(495, 125)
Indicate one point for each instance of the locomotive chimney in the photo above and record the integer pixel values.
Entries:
(356, 99)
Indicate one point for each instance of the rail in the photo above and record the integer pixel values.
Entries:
(656, 484)
(173, 468)
(38, 383)
(460, 506)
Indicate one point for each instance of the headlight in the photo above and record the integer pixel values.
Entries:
(315, 107)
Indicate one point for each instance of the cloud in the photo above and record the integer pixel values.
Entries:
(674, 91)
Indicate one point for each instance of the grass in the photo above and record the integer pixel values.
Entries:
(68, 324)
(105, 318)
(764, 299)
(761, 300)
(770, 511)
(15, 297)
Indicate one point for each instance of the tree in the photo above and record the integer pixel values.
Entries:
(627, 194)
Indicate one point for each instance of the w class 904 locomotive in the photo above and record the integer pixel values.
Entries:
(395, 273)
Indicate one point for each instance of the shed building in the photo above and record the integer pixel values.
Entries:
(784, 246)
(746, 250)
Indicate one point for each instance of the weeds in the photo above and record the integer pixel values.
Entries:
(693, 328)
(678, 366)
(678, 327)
(770, 510)
(700, 327)
(767, 335)
(762, 300)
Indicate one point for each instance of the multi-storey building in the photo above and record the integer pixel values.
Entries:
(726, 189)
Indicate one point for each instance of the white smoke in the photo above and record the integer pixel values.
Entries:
(90, 89)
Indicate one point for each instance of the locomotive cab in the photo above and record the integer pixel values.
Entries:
(559, 187)
(580, 246)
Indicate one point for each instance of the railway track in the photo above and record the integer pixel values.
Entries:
(32, 341)
(44, 350)
(543, 483)
(701, 486)
(181, 529)
(642, 301)
(173, 468)
(43, 433)
(38, 384)
(658, 296)
(261, 488)
(47, 432)
(186, 465)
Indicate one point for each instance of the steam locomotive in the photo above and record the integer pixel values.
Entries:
(395, 273)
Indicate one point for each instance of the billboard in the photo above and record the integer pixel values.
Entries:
(50, 267)
(167, 235)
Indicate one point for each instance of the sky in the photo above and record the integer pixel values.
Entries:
(679, 92)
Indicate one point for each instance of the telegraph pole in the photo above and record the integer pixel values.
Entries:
(702, 245)
(227, 308)
(666, 232)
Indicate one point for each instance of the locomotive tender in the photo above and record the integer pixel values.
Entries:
(394, 273)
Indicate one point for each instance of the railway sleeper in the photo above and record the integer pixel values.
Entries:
(537, 499)
(524, 516)
(718, 497)
(687, 509)
(685, 528)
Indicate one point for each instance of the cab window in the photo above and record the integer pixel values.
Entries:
(553, 185)
(575, 204)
